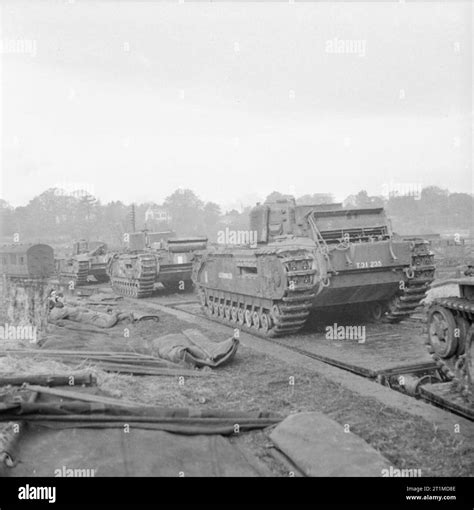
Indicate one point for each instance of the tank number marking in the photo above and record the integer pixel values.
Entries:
(225, 276)
(372, 263)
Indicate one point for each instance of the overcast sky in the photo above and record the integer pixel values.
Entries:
(133, 100)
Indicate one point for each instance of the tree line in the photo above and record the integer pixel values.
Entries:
(57, 217)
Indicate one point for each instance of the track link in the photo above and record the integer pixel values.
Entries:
(79, 277)
(415, 289)
(140, 286)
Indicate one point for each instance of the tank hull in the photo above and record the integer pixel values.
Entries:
(295, 278)
(167, 262)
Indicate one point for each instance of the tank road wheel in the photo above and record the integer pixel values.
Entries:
(265, 322)
(248, 318)
(256, 320)
(240, 316)
(441, 331)
(233, 314)
(207, 305)
(215, 308)
(227, 312)
(221, 310)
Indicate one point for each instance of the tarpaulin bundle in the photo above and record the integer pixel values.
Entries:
(186, 426)
(180, 420)
(193, 347)
(76, 407)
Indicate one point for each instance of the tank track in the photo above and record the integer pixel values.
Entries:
(415, 289)
(456, 366)
(141, 287)
(80, 277)
(267, 317)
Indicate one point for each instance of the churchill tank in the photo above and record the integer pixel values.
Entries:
(298, 260)
(153, 257)
(450, 338)
(87, 259)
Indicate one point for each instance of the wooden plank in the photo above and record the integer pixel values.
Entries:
(139, 370)
(320, 446)
(47, 352)
(445, 395)
(412, 369)
(49, 380)
(85, 397)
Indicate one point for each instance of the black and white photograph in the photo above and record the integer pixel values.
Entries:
(237, 241)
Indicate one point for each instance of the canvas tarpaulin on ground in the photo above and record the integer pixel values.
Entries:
(49, 453)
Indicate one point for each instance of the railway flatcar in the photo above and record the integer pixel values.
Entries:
(27, 261)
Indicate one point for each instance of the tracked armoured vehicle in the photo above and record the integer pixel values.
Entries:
(450, 339)
(87, 259)
(153, 257)
(312, 258)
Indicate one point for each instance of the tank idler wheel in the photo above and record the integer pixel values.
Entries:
(463, 326)
(207, 305)
(441, 331)
(394, 304)
(240, 316)
(233, 314)
(265, 322)
(275, 313)
(227, 312)
(376, 311)
(256, 320)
